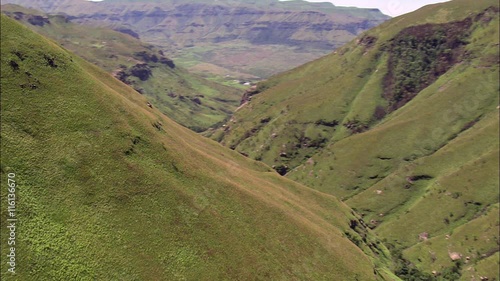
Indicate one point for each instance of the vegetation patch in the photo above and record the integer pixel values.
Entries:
(419, 55)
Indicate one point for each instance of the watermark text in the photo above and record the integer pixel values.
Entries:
(11, 222)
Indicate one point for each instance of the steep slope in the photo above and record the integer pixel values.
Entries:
(401, 123)
(188, 99)
(110, 189)
(253, 37)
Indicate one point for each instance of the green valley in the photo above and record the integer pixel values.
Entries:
(111, 189)
(139, 142)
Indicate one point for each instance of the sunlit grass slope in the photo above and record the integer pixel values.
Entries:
(110, 189)
(301, 111)
(184, 97)
(401, 123)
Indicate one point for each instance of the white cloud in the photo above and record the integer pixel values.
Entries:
(389, 7)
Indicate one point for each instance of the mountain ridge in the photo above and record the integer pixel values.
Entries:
(226, 33)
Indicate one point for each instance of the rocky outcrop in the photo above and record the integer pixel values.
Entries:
(247, 96)
(32, 19)
(141, 71)
(127, 31)
(38, 20)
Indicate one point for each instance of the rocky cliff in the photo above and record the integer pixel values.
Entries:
(305, 24)
(192, 23)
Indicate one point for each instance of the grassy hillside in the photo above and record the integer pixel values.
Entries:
(188, 99)
(110, 189)
(401, 123)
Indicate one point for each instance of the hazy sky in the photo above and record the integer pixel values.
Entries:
(389, 7)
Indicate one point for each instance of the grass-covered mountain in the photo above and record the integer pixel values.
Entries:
(402, 124)
(236, 37)
(186, 98)
(111, 189)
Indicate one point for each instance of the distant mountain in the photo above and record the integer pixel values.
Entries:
(188, 99)
(111, 189)
(402, 124)
(253, 37)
